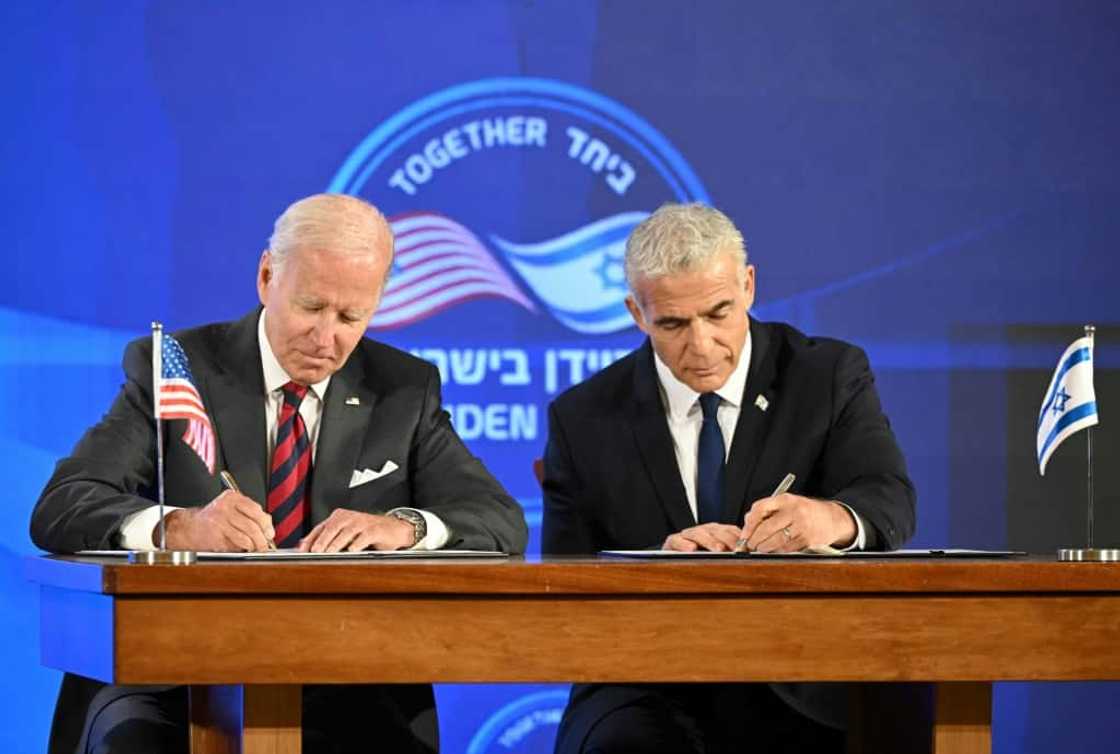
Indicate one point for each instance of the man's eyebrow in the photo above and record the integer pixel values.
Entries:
(719, 307)
(669, 320)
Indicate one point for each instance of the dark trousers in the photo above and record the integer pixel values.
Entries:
(336, 720)
(708, 718)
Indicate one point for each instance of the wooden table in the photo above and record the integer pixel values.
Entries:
(958, 623)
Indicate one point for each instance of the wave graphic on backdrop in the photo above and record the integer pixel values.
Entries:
(579, 275)
(438, 263)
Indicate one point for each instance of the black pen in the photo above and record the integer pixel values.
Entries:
(231, 484)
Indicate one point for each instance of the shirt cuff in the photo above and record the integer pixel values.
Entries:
(437, 534)
(136, 531)
(861, 534)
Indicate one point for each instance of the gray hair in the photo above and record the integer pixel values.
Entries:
(681, 238)
(337, 222)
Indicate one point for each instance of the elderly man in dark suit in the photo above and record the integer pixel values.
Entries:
(680, 446)
(336, 443)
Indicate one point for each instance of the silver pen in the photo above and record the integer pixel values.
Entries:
(783, 486)
(231, 484)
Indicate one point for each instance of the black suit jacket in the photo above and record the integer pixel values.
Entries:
(398, 417)
(611, 479)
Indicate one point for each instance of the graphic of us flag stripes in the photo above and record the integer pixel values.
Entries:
(438, 263)
(178, 398)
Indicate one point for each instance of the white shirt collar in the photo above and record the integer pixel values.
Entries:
(680, 398)
(274, 375)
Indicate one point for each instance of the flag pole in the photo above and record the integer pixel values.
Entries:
(157, 374)
(1090, 553)
(161, 555)
(1090, 333)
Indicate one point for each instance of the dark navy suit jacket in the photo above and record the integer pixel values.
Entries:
(611, 479)
(396, 416)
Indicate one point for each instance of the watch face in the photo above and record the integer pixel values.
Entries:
(419, 524)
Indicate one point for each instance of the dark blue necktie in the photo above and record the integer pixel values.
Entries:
(709, 463)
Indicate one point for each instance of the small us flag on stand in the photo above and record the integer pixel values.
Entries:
(178, 398)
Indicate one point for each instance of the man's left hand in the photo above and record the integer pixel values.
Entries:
(788, 523)
(352, 531)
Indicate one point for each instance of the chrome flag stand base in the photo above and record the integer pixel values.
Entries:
(162, 557)
(1089, 555)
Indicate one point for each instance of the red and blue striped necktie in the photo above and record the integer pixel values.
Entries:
(289, 483)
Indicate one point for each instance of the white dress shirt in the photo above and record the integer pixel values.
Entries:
(136, 531)
(275, 378)
(685, 419)
(682, 410)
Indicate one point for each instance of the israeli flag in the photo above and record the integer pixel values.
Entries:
(579, 275)
(1070, 403)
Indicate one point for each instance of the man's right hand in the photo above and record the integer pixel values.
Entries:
(713, 537)
(230, 522)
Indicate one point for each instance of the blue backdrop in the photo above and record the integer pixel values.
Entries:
(925, 179)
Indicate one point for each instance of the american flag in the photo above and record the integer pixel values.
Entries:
(438, 263)
(178, 398)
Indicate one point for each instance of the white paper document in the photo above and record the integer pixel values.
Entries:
(822, 553)
(292, 554)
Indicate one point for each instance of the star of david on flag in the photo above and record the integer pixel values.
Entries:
(580, 275)
(1070, 403)
(178, 398)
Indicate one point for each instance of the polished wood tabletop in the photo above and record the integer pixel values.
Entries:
(960, 623)
(575, 575)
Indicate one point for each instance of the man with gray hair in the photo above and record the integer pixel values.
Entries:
(681, 446)
(335, 443)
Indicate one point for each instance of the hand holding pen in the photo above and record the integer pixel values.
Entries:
(716, 537)
(230, 522)
(231, 484)
(782, 488)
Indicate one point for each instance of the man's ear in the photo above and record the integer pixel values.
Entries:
(748, 285)
(265, 273)
(636, 313)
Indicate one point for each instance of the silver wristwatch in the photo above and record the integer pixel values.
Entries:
(419, 523)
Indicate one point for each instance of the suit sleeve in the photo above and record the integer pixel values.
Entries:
(565, 529)
(110, 472)
(862, 460)
(453, 484)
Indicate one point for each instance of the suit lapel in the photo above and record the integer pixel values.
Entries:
(236, 395)
(651, 434)
(754, 421)
(341, 435)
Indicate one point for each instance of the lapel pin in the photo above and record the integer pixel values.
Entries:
(761, 402)
(353, 401)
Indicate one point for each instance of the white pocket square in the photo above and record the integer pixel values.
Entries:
(360, 477)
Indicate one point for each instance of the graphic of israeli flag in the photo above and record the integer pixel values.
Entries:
(579, 275)
(1070, 403)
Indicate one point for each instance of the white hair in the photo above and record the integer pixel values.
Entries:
(339, 223)
(681, 238)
